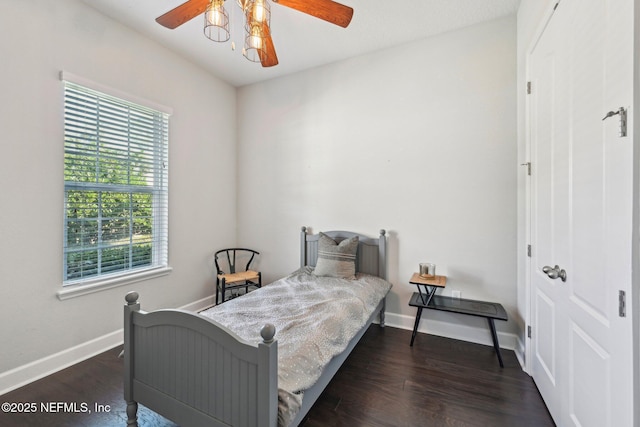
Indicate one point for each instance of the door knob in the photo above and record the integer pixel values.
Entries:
(555, 272)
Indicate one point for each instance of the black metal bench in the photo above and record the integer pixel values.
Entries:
(488, 310)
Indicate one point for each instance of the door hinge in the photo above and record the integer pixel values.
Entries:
(622, 304)
(529, 331)
(528, 88)
(528, 165)
(529, 251)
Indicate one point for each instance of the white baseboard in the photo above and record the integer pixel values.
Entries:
(25, 374)
(201, 304)
(456, 331)
(520, 354)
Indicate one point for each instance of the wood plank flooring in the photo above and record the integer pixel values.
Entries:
(438, 382)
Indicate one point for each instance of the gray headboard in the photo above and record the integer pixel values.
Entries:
(371, 257)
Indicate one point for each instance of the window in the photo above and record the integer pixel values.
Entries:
(115, 186)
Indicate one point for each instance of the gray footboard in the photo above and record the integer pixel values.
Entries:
(196, 372)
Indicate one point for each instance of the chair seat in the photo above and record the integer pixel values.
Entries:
(240, 276)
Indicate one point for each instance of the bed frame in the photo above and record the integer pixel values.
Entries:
(197, 372)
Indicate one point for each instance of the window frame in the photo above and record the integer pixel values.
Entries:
(160, 252)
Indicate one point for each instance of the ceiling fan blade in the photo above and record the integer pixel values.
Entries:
(326, 10)
(271, 58)
(183, 13)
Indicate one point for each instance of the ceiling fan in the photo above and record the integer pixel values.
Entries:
(257, 14)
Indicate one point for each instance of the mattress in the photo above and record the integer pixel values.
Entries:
(315, 319)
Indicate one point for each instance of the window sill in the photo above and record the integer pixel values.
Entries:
(72, 291)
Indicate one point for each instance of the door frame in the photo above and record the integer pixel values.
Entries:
(634, 298)
(528, 350)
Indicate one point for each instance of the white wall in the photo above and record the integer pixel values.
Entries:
(40, 38)
(419, 139)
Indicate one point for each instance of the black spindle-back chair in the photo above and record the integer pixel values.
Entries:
(237, 276)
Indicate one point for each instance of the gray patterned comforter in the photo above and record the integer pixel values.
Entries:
(315, 318)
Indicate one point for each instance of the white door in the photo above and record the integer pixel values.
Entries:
(581, 213)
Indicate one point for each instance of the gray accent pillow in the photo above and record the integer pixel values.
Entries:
(336, 260)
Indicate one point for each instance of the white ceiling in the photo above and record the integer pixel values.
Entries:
(302, 41)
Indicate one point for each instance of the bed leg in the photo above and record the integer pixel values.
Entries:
(132, 414)
(382, 310)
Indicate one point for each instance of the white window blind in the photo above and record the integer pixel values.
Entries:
(115, 179)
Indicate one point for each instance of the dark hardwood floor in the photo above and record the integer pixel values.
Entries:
(438, 382)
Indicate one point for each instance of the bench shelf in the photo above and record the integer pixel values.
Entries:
(488, 310)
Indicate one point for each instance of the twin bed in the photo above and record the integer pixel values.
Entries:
(262, 359)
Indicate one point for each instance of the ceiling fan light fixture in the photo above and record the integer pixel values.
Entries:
(258, 46)
(260, 11)
(243, 4)
(258, 17)
(216, 22)
(254, 44)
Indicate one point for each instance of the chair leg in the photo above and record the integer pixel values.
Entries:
(224, 288)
